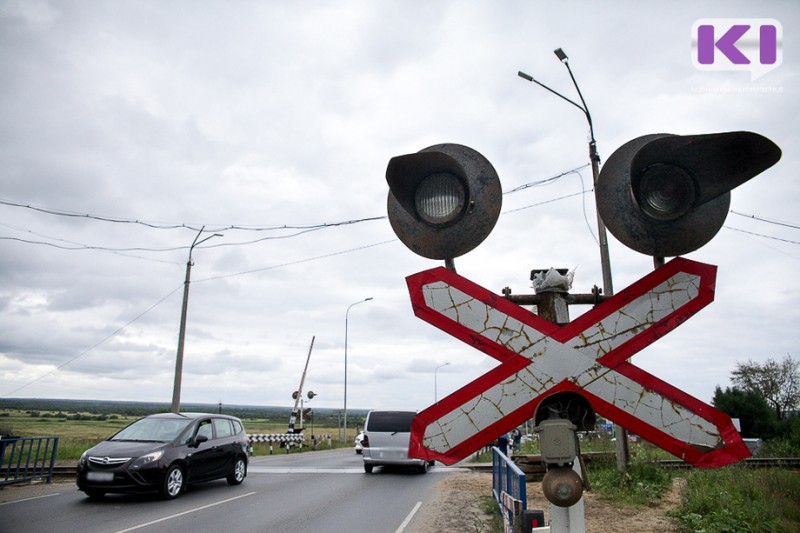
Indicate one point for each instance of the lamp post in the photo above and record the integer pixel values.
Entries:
(605, 261)
(176, 389)
(622, 452)
(435, 386)
(344, 437)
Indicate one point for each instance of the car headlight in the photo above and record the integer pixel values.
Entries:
(82, 460)
(147, 459)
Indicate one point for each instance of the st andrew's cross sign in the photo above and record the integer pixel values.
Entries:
(588, 356)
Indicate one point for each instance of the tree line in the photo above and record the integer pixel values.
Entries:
(765, 397)
(46, 406)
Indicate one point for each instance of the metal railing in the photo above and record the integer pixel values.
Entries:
(26, 459)
(508, 487)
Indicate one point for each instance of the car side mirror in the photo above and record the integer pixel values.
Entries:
(198, 440)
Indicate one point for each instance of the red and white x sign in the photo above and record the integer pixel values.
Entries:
(588, 356)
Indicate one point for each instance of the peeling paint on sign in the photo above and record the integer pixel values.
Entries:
(587, 356)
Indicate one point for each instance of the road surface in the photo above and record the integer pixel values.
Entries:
(308, 492)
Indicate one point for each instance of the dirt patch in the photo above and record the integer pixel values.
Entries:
(457, 506)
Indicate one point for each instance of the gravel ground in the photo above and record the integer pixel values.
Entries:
(457, 508)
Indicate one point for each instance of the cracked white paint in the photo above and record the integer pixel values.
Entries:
(575, 360)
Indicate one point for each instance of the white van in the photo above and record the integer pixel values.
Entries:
(386, 438)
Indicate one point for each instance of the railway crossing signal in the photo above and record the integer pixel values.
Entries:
(668, 195)
(588, 356)
(661, 195)
(443, 201)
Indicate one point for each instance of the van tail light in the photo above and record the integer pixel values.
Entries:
(365, 442)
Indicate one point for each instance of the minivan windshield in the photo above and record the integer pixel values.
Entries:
(153, 430)
(393, 421)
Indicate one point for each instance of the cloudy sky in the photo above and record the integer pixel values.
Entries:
(128, 126)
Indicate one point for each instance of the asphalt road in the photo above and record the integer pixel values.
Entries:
(314, 491)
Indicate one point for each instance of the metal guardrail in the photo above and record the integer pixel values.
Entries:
(26, 459)
(508, 487)
(507, 476)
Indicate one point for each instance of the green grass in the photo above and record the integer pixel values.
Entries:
(738, 499)
(641, 484)
(78, 432)
(489, 506)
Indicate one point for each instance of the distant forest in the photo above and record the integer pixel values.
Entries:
(102, 407)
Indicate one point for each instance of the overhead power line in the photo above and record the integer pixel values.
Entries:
(164, 298)
(241, 227)
(546, 181)
(767, 220)
(182, 225)
(762, 235)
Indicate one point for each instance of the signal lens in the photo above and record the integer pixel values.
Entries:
(440, 199)
(666, 192)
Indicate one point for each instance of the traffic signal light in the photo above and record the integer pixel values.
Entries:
(443, 201)
(668, 195)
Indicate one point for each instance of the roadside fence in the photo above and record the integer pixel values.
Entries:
(27, 459)
(508, 488)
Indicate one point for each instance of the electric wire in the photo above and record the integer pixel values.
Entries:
(761, 235)
(212, 278)
(767, 220)
(301, 229)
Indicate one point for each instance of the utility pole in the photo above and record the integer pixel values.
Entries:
(176, 388)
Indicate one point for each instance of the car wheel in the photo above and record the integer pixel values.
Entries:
(424, 468)
(174, 483)
(239, 472)
(367, 468)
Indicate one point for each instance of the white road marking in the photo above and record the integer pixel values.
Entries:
(301, 470)
(183, 513)
(408, 518)
(31, 498)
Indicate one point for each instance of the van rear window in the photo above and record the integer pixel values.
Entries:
(390, 421)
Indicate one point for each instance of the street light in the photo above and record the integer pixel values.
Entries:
(344, 437)
(435, 387)
(176, 389)
(605, 261)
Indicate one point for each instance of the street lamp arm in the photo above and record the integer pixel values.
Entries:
(196, 243)
(583, 107)
(540, 84)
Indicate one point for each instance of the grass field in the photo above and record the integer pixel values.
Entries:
(80, 431)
